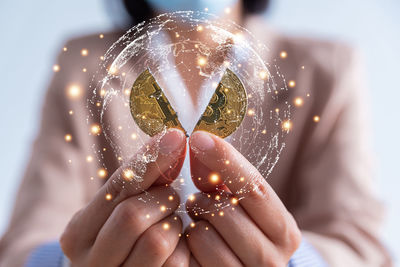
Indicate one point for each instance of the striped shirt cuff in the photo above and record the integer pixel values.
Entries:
(51, 255)
(47, 255)
(306, 256)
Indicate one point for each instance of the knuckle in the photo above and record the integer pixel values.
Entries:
(291, 235)
(128, 214)
(260, 258)
(70, 236)
(157, 242)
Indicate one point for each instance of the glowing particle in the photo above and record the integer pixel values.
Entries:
(228, 10)
(238, 37)
(177, 35)
(298, 102)
(287, 125)
(102, 173)
(71, 112)
(84, 52)
(316, 118)
(127, 91)
(200, 28)
(74, 91)
(134, 136)
(214, 178)
(113, 70)
(263, 75)
(241, 179)
(165, 226)
(264, 131)
(108, 197)
(56, 68)
(128, 174)
(68, 137)
(89, 158)
(163, 208)
(101, 57)
(65, 49)
(191, 197)
(181, 180)
(217, 197)
(277, 110)
(206, 9)
(303, 67)
(102, 92)
(147, 216)
(206, 228)
(251, 112)
(221, 213)
(95, 129)
(234, 201)
(292, 83)
(101, 36)
(227, 162)
(283, 54)
(84, 70)
(192, 224)
(202, 61)
(170, 198)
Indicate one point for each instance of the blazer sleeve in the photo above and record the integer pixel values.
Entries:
(335, 206)
(56, 181)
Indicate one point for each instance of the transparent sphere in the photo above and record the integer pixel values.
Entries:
(188, 53)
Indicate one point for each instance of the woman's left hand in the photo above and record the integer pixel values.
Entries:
(255, 229)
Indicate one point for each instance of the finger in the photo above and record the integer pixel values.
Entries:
(180, 257)
(156, 244)
(127, 222)
(210, 153)
(117, 188)
(208, 248)
(238, 230)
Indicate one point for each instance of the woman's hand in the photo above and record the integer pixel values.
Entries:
(255, 229)
(123, 230)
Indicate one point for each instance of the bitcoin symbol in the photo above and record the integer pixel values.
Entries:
(215, 105)
(149, 106)
(227, 107)
(165, 106)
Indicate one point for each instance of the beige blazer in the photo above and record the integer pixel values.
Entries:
(324, 175)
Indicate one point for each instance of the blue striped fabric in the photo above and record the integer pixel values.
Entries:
(306, 256)
(51, 255)
(46, 255)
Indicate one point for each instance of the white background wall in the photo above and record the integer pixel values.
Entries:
(32, 33)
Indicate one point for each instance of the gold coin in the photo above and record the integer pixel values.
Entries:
(149, 106)
(227, 107)
(152, 111)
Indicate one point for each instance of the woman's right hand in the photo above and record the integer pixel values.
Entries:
(124, 230)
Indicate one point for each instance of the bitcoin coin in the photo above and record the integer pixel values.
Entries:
(227, 107)
(152, 111)
(149, 106)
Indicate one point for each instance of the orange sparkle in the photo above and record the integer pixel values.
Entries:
(102, 173)
(316, 118)
(214, 178)
(287, 125)
(108, 197)
(292, 83)
(68, 138)
(84, 52)
(298, 102)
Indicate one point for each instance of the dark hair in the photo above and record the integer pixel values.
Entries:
(140, 10)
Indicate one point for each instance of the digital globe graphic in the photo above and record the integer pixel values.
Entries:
(193, 71)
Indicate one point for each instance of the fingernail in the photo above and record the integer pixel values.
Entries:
(172, 141)
(202, 141)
